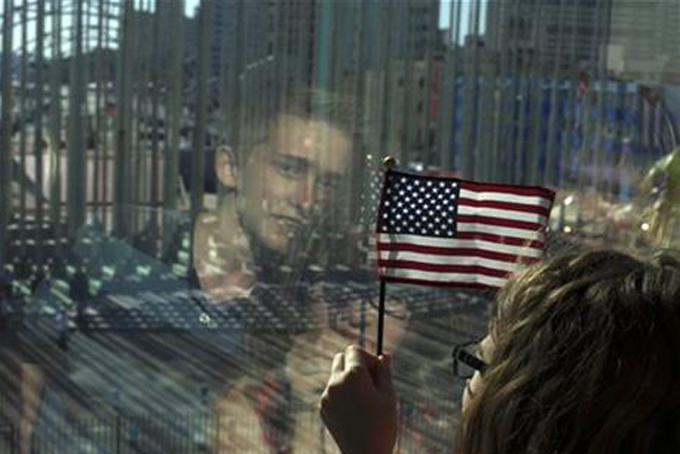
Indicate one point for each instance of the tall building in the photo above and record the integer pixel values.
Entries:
(645, 41)
(414, 27)
(549, 35)
(256, 28)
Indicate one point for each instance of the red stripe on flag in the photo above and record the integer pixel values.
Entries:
(448, 251)
(406, 280)
(504, 206)
(470, 256)
(534, 191)
(535, 244)
(477, 219)
(435, 268)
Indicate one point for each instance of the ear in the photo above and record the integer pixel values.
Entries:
(226, 166)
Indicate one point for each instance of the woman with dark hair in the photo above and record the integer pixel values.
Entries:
(582, 356)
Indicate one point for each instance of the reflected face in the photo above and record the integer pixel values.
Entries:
(473, 386)
(309, 361)
(287, 181)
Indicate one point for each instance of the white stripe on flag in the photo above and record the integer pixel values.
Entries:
(504, 197)
(372, 256)
(524, 251)
(502, 214)
(448, 260)
(502, 231)
(465, 278)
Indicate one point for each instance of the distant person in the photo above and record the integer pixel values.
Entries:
(582, 356)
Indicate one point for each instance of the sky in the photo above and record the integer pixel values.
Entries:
(443, 12)
(190, 7)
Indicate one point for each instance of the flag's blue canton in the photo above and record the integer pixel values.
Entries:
(414, 205)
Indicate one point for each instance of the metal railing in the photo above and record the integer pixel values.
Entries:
(122, 433)
(103, 99)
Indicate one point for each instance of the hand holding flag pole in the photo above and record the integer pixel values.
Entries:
(388, 163)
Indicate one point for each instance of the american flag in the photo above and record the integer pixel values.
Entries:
(447, 231)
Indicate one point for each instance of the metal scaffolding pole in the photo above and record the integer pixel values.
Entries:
(469, 149)
(513, 53)
(431, 44)
(155, 196)
(446, 102)
(236, 109)
(602, 26)
(405, 74)
(100, 99)
(173, 82)
(6, 131)
(549, 176)
(55, 126)
(357, 116)
(121, 208)
(524, 86)
(38, 138)
(457, 68)
(198, 151)
(585, 150)
(570, 121)
(77, 183)
(485, 114)
(385, 130)
(535, 97)
(23, 136)
(139, 87)
(108, 135)
(500, 64)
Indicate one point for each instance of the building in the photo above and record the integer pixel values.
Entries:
(414, 28)
(550, 35)
(645, 41)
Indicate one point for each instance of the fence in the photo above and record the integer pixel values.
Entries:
(112, 104)
(200, 434)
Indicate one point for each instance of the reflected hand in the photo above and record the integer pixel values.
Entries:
(359, 405)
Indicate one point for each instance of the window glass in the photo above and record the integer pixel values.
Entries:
(188, 195)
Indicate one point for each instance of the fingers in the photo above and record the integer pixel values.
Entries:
(338, 365)
(359, 406)
(356, 357)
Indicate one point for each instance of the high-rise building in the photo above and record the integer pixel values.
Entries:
(414, 27)
(645, 41)
(256, 32)
(550, 35)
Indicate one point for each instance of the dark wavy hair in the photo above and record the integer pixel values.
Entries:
(585, 359)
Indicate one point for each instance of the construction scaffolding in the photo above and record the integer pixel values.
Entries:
(112, 109)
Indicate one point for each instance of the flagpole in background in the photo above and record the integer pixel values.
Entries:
(388, 163)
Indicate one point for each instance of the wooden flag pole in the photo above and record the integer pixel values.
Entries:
(381, 317)
(388, 163)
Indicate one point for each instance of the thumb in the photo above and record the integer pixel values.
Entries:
(383, 375)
